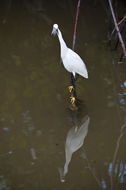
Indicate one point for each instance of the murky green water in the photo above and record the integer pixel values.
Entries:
(36, 125)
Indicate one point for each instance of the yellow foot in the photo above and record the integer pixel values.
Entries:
(72, 100)
(71, 88)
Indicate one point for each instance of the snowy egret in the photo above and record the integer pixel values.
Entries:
(71, 60)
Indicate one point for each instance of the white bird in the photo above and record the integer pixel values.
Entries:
(71, 60)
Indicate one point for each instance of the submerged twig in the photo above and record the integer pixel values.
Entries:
(116, 151)
(124, 18)
(120, 22)
(84, 156)
(117, 29)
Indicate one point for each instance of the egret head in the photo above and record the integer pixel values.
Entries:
(55, 29)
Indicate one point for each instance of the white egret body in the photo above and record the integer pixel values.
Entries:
(71, 60)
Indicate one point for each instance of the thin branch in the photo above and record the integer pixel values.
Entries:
(124, 18)
(117, 29)
(116, 151)
(75, 26)
(84, 156)
(120, 22)
(72, 79)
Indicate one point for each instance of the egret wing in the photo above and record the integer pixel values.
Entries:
(76, 63)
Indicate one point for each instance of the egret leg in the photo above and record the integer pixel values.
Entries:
(72, 90)
(72, 83)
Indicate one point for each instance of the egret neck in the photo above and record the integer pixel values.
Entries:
(63, 46)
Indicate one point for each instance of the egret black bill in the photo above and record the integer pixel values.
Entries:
(54, 31)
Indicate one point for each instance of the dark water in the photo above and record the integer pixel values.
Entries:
(35, 121)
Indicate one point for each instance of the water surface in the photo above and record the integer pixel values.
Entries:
(35, 121)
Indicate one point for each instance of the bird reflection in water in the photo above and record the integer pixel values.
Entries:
(74, 141)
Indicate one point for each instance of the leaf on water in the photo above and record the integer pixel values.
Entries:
(109, 97)
(16, 59)
(18, 63)
(111, 104)
(108, 81)
(4, 21)
(83, 155)
(33, 153)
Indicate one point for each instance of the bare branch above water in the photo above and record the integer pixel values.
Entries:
(117, 29)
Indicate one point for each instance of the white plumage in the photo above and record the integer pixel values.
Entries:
(71, 60)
